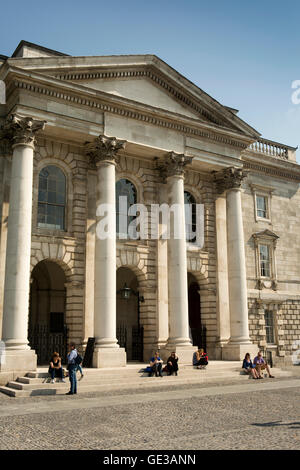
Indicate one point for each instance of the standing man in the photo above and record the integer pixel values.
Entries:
(72, 369)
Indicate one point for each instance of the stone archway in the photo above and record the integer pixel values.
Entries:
(47, 330)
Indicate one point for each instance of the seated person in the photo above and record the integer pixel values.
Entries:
(248, 367)
(156, 365)
(260, 364)
(172, 364)
(55, 368)
(200, 359)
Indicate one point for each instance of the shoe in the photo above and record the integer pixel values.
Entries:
(176, 374)
(63, 380)
(271, 377)
(52, 381)
(160, 375)
(70, 393)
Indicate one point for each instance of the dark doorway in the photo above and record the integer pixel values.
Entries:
(129, 330)
(197, 329)
(47, 331)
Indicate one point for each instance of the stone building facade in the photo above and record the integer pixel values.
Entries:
(85, 125)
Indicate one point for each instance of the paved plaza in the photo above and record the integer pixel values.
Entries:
(252, 415)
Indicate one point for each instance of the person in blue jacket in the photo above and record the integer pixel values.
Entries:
(248, 367)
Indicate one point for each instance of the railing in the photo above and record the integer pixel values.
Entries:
(273, 149)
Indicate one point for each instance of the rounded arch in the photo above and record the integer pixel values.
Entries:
(136, 181)
(39, 257)
(132, 260)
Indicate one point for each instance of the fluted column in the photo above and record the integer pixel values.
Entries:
(179, 340)
(21, 133)
(230, 180)
(103, 152)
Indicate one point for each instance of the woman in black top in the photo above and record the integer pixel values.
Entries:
(55, 368)
(172, 364)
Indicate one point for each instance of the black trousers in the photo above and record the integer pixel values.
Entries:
(156, 368)
(202, 362)
(172, 368)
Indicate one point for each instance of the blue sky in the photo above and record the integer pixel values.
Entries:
(244, 54)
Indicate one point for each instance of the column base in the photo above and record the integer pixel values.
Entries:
(15, 360)
(184, 353)
(237, 352)
(109, 357)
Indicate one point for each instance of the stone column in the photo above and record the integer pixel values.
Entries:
(178, 340)
(223, 313)
(230, 180)
(103, 152)
(21, 133)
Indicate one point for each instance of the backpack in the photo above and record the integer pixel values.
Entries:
(78, 360)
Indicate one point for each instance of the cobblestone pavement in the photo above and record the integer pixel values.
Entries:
(211, 417)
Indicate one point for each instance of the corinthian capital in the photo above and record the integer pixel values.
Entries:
(173, 165)
(229, 178)
(19, 130)
(104, 149)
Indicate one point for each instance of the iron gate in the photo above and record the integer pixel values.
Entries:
(46, 343)
(137, 345)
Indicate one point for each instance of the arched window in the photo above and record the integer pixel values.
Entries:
(52, 198)
(190, 217)
(126, 196)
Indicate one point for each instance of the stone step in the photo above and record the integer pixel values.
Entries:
(59, 387)
(116, 378)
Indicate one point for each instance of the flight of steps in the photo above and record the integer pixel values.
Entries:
(128, 378)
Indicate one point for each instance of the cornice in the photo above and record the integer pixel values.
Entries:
(283, 169)
(80, 95)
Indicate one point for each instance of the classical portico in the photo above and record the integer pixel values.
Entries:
(173, 143)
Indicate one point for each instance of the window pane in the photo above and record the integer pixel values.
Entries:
(269, 325)
(261, 206)
(124, 189)
(264, 254)
(52, 192)
(190, 216)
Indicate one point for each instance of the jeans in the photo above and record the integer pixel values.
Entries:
(78, 367)
(72, 378)
(56, 372)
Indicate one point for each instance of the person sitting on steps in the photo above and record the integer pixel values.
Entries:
(156, 365)
(172, 364)
(200, 359)
(248, 367)
(260, 364)
(55, 368)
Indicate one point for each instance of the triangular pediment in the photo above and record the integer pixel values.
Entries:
(264, 234)
(144, 79)
(142, 91)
